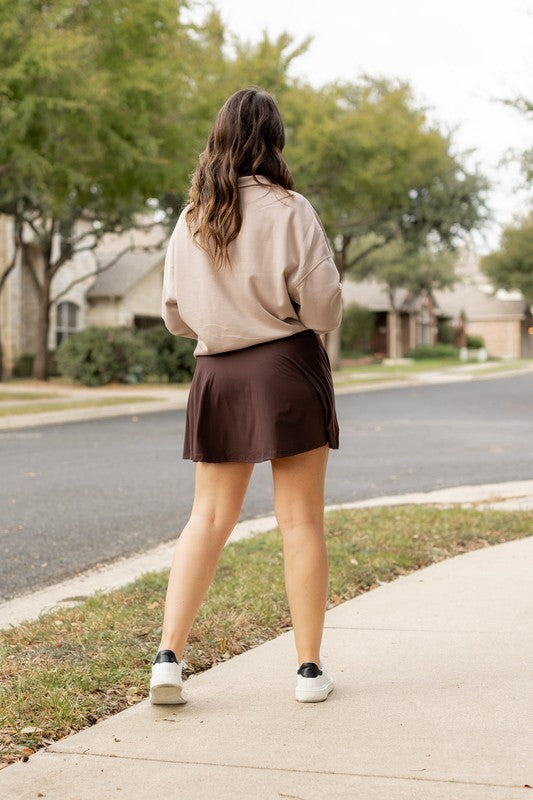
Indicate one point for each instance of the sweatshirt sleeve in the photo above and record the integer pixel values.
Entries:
(316, 285)
(169, 302)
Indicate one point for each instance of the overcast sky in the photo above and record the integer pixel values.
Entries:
(458, 55)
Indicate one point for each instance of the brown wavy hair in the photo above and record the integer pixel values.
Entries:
(247, 139)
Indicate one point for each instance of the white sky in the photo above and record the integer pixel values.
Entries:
(458, 56)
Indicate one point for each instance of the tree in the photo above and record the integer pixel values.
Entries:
(398, 265)
(90, 127)
(105, 110)
(511, 267)
(525, 107)
(372, 164)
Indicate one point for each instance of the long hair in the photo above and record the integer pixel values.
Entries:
(247, 139)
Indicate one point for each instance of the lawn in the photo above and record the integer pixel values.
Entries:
(71, 668)
(39, 407)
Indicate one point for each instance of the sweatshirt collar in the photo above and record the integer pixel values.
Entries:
(249, 180)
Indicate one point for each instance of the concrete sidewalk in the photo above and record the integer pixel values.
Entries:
(432, 701)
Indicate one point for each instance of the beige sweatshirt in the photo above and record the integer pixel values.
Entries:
(281, 254)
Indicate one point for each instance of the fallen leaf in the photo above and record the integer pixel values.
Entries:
(31, 729)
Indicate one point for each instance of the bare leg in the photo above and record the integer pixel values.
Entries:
(299, 506)
(218, 496)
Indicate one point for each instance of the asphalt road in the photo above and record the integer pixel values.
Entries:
(85, 493)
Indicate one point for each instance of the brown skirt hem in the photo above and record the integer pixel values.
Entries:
(257, 459)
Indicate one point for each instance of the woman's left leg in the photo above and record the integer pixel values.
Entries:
(218, 496)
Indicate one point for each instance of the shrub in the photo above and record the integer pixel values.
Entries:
(357, 329)
(173, 355)
(23, 366)
(96, 356)
(474, 342)
(433, 351)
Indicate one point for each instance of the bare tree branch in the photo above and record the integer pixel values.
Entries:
(370, 249)
(17, 237)
(26, 250)
(100, 269)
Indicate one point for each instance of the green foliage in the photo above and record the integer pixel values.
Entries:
(433, 351)
(90, 107)
(371, 161)
(399, 265)
(23, 366)
(511, 267)
(96, 356)
(446, 332)
(358, 325)
(474, 342)
(173, 355)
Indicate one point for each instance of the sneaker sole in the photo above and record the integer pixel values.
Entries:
(313, 695)
(167, 695)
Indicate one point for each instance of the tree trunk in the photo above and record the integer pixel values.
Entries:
(393, 334)
(333, 338)
(40, 362)
(333, 348)
(393, 327)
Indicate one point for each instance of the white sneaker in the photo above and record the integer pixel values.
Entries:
(313, 684)
(166, 685)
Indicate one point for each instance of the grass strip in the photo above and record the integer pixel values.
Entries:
(12, 396)
(67, 405)
(73, 667)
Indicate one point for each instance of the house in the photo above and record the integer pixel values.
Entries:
(502, 322)
(502, 319)
(126, 293)
(411, 322)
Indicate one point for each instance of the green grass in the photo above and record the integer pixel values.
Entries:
(11, 396)
(416, 366)
(70, 668)
(346, 380)
(67, 405)
(400, 371)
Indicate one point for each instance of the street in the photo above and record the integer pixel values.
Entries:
(80, 494)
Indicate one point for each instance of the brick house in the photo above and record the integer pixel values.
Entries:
(414, 320)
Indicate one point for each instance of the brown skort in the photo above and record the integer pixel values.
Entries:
(266, 401)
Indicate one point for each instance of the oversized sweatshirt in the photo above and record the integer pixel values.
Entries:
(281, 280)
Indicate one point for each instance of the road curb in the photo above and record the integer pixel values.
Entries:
(511, 495)
(177, 403)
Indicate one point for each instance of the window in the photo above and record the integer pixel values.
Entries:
(66, 321)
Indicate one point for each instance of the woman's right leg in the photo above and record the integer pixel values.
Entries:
(218, 496)
(299, 507)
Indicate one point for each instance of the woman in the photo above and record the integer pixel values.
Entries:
(250, 274)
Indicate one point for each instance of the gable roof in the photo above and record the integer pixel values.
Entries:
(477, 304)
(118, 280)
(371, 294)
